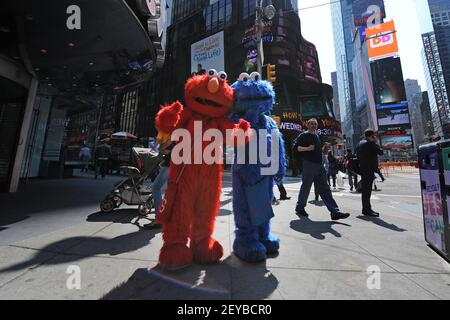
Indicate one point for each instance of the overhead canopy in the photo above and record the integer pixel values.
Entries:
(110, 51)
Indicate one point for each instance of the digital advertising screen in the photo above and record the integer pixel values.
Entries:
(388, 84)
(393, 115)
(397, 142)
(367, 10)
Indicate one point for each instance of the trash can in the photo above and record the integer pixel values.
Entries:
(434, 166)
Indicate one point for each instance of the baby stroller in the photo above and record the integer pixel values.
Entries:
(132, 190)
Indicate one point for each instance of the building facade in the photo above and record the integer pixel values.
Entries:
(418, 123)
(299, 88)
(434, 18)
(349, 19)
(60, 75)
(336, 105)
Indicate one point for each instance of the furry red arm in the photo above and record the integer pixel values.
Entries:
(172, 117)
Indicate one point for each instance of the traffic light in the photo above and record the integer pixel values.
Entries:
(271, 73)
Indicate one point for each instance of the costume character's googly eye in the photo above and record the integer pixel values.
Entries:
(223, 76)
(244, 76)
(212, 73)
(255, 76)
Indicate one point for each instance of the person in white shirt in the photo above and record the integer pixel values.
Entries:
(85, 156)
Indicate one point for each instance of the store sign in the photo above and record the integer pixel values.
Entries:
(249, 39)
(293, 121)
(382, 41)
(208, 53)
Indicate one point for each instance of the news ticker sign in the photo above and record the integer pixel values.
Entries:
(294, 122)
(382, 41)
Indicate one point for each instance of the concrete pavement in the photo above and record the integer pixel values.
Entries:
(52, 225)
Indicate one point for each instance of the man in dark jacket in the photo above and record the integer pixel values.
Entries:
(368, 152)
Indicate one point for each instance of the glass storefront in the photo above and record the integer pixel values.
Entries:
(12, 106)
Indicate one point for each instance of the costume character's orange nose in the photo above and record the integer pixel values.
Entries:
(213, 85)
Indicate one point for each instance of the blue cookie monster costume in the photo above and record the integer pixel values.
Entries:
(253, 101)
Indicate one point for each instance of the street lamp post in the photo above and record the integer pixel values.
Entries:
(269, 12)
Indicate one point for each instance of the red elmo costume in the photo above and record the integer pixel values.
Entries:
(193, 193)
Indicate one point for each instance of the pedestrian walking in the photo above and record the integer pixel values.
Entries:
(85, 157)
(351, 166)
(102, 157)
(283, 193)
(368, 151)
(325, 150)
(310, 147)
(332, 168)
(159, 185)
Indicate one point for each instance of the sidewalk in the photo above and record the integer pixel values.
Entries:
(319, 259)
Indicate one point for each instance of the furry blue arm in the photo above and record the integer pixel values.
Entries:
(282, 156)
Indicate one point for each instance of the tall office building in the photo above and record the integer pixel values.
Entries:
(414, 97)
(349, 18)
(427, 119)
(336, 105)
(341, 12)
(434, 18)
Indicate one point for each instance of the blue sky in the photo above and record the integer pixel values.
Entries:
(317, 28)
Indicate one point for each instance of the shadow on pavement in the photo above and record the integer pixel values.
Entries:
(124, 216)
(94, 246)
(319, 203)
(230, 279)
(225, 212)
(316, 229)
(45, 196)
(223, 203)
(382, 223)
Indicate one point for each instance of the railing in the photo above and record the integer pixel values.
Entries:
(399, 167)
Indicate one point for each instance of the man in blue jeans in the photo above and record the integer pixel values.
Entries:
(310, 149)
(159, 186)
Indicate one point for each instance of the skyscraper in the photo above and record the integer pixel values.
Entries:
(414, 96)
(336, 106)
(434, 18)
(350, 19)
(341, 12)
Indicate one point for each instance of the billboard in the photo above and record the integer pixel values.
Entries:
(382, 41)
(397, 142)
(208, 54)
(393, 115)
(388, 84)
(364, 11)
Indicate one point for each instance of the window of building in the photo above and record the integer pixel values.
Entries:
(248, 8)
(218, 15)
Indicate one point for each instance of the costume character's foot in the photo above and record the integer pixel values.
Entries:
(250, 252)
(175, 256)
(207, 251)
(272, 244)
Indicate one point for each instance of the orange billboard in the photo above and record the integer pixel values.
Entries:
(382, 41)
